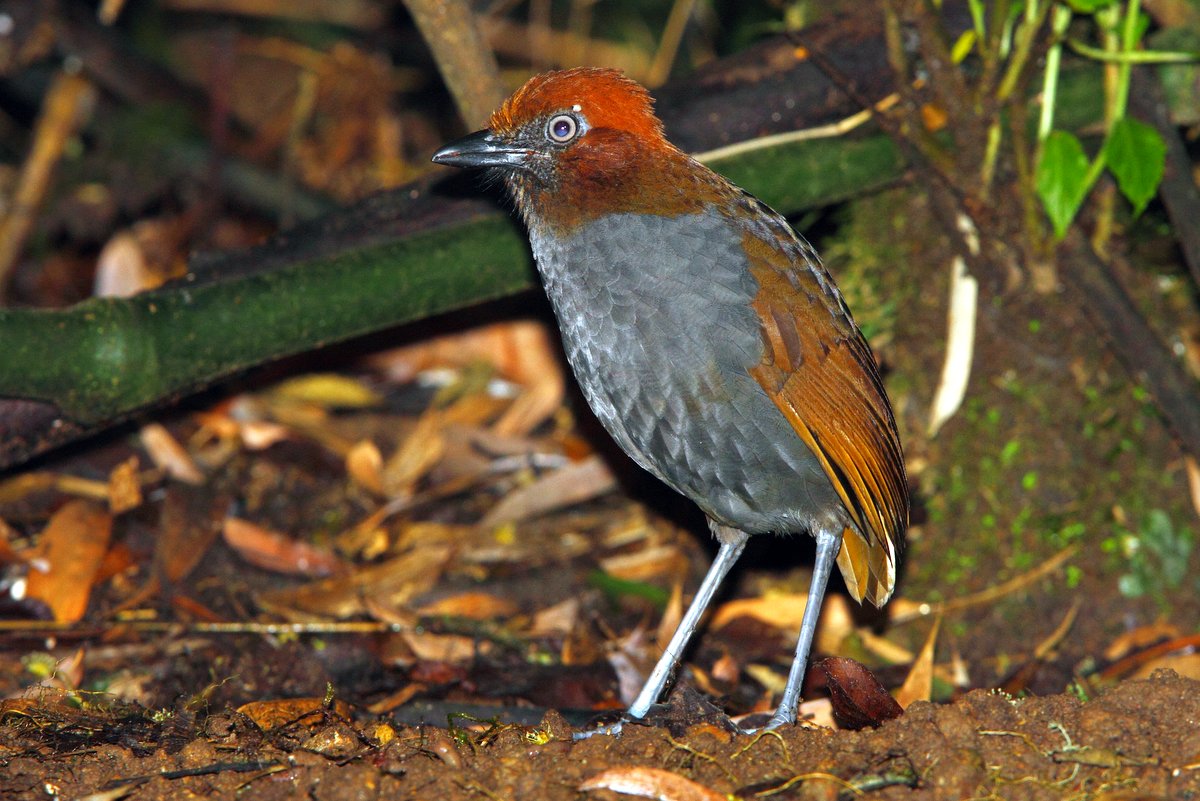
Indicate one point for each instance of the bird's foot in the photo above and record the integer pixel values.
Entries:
(611, 729)
(759, 723)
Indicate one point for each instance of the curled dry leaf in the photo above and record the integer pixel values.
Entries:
(645, 563)
(277, 552)
(418, 454)
(1139, 638)
(522, 351)
(1185, 664)
(472, 605)
(650, 783)
(557, 620)
(166, 452)
(918, 686)
(859, 699)
(392, 583)
(960, 345)
(292, 713)
(454, 649)
(573, 484)
(784, 611)
(364, 465)
(73, 547)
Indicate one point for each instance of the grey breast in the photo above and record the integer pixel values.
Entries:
(657, 325)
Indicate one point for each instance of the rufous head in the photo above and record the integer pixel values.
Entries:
(587, 138)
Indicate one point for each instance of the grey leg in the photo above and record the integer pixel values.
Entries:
(732, 544)
(828, 545)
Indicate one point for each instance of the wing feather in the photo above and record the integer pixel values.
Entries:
(819, 371)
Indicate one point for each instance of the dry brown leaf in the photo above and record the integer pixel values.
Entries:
(277, 552)
(1186, 665)
(884, 648)
(918, 685)
(454, 649)
(364, 465)
(773, 681)
(1139, 638)
(393, 583)
(645, 563)
(124, 487)
(784, 611)
(650, 783)
(671, 616)
(258, 435)
(573, 484)
(9, 554)
(73, 547)
(305, 713)
(859, 699)
(416, 456)
(397, 699)
(169, 455)
(521, 350)
(1193, 476)
(726, 668)
(557, 620)
(188, 526)
(472, 605)
(817, 712)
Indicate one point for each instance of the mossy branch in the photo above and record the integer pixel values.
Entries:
(106, 357)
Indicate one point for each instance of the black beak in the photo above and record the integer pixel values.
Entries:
(483, 149)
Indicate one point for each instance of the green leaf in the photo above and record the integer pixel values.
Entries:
(1062, 179)
(1137, 157)
(1089, 6)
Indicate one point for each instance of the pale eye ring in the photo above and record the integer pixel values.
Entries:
(562, 128)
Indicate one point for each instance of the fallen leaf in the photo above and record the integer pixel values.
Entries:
(556, 620)
(364, 464)
(885, 648)
(472, 605)
(859, 699)
(573, 484)
(918, 685)
(1139, 638)
(306, 713)
(784, 611)
(416, 456)
(650, 783)
(454, 649)
(190, 523)
(169, 455)
(72, 546)
(277, 552)
(393, 583)
(645, 563)
(124, 487)
(960, 345)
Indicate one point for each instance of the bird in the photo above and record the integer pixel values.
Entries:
(707, 338)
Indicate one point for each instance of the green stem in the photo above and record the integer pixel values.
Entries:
(1135, 57)
(1062, 18)
(1129, 38)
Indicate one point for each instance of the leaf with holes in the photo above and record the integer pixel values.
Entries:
(1137, 157)
(1062, 179)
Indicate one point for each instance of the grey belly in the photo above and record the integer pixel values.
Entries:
(661, 337)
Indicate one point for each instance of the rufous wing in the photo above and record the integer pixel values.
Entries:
(820, 372)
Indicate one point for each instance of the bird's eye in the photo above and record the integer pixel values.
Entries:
(562, 129)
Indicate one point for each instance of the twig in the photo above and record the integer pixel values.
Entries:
(66, 105)
(466, 63)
